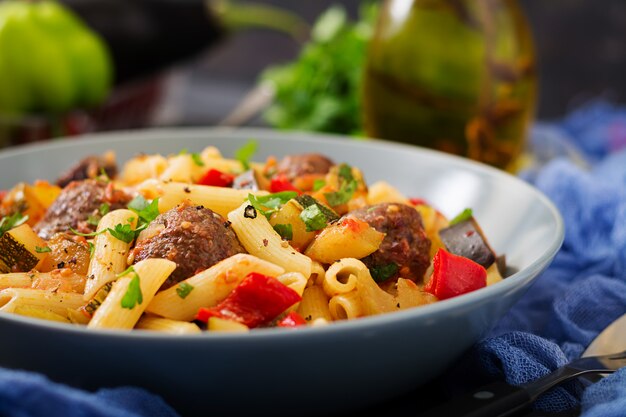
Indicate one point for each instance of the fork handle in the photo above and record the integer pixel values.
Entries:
(494, 400)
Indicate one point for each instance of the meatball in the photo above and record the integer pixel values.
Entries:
(193, 237)
(89, 168)
(293, 166)
(78, 201)
(405, 244)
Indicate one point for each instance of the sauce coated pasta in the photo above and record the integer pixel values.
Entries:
(198, 242)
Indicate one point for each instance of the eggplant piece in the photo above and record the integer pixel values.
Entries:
(246, 181)
(466, 239)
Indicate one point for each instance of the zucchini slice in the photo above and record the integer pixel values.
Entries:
(18, 249)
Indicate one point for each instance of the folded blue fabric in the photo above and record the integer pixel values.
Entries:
(584, 289)
(27, 394)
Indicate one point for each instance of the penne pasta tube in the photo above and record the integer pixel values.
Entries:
(16, 280)
(345, 306)
(159, 324)
(209, 287)
(383, 192)
(219, 199)
(56, 302)
(110, 253)
(131, 294)
(294, 280)
(341, 277)
(314, 304)
(260, 239)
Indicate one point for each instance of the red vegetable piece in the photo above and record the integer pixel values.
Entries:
(280, 183)
(454, 275)
(257, 300)
(292, 319)
(417, 201)
(216, 178)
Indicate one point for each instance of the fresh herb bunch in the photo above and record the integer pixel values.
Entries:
(321, 90)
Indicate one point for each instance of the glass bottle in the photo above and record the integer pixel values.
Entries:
(453, 75)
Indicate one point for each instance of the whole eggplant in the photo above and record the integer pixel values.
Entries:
(147, 36)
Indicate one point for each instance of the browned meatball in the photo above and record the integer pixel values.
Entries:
(194, 237)
(405, 244)
(89, 168)
(293, 166)
(78, 201)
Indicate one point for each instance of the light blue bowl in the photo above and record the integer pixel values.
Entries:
(340, 367)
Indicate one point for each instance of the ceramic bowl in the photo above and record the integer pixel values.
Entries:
(339, 367)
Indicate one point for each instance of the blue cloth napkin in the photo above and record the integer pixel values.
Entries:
(581, 166)
(584, 289)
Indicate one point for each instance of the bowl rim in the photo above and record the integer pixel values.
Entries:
(341, 327)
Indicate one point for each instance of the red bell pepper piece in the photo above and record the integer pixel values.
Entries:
(257, 300)
(414, 201)
(216, 178)
(292, 319)
(279, 183)
(454, 275)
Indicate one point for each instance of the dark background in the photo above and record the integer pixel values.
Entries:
(581, 49)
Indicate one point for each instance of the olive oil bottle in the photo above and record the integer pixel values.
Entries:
(453, 75)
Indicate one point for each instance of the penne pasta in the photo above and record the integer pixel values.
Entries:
(16, 280)
(314, 304)
(118, 310)
(219, 199)
(259, 238)
(110, 253)
(159, 324)
(209, 287)
(346, 306)
(56, 302)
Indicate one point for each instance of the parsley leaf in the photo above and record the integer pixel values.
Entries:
(383, 272)
(345, 172)
(268, 204)
(44, 249)
(284, 230)
(318, 184)
(462, 216)
(345, 193)
(104, 208)
(184, 289)
(92, 249)
(313, 218)
(92, 234)
(146, 211)
(123, 232)
(9, 222)
(197, 159)
(133, 295)
(245, 153)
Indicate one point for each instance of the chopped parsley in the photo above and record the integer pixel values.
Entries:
(92, 234)
(313, 218)
(184, 289)
(462, 216)
(284, 230)
(124, 232)
(133, 295)
(9, 222)
(246, 152)
(383, 272)
(318, 184)
(92, 249)
(347, 187)
(195, 157)
(44, 249)
(271, 203)
(104, 209)
(147, 211)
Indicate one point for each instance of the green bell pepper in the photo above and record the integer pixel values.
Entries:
(50, 61)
